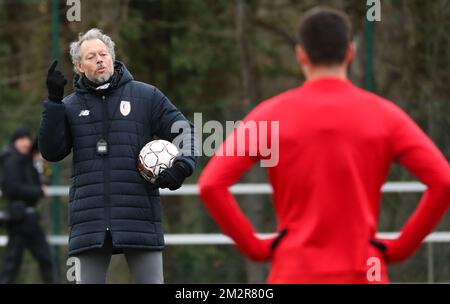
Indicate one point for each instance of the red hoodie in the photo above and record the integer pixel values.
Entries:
(336, 144)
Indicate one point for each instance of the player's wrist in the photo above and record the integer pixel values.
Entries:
(264, 251)
(389, 250)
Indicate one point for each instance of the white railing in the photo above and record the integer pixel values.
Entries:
(221, 239)
(257, 189)
(245, 189)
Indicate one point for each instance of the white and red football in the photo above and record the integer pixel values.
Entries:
(155, 157)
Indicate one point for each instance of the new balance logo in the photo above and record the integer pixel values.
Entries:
(84, 113)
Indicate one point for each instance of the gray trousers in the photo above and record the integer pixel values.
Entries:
(146, 266)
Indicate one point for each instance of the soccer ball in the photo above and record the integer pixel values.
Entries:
(155, 157)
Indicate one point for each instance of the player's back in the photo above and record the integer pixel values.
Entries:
(334, 156)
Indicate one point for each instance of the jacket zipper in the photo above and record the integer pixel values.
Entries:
(106, 164)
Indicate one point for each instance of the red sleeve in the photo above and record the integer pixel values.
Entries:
(414, 150)
(220, 173)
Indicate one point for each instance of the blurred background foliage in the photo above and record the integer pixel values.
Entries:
(221, 58)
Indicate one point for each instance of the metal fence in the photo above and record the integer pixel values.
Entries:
(264, 189)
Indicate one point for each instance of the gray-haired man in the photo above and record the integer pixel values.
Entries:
(106, 121)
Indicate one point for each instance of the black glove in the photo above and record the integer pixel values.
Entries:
(172, 177)
(382, 247)
(278, 239)
(55, 83)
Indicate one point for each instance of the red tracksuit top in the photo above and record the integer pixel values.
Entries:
(336, 144)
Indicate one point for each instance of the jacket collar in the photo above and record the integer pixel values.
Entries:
(120, 77)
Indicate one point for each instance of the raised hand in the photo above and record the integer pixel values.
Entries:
(55, 83)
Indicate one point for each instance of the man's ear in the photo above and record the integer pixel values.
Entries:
(79, 68)
(302, 57)
(351, 52)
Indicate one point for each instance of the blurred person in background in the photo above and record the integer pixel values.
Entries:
(22, 187)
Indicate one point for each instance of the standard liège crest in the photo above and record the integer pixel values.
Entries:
(125, 107)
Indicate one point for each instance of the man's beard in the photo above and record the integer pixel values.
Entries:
(100, 79)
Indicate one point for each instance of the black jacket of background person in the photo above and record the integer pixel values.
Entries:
(21, 182)
(107, 192)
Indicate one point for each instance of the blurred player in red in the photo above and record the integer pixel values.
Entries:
(336, 143)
